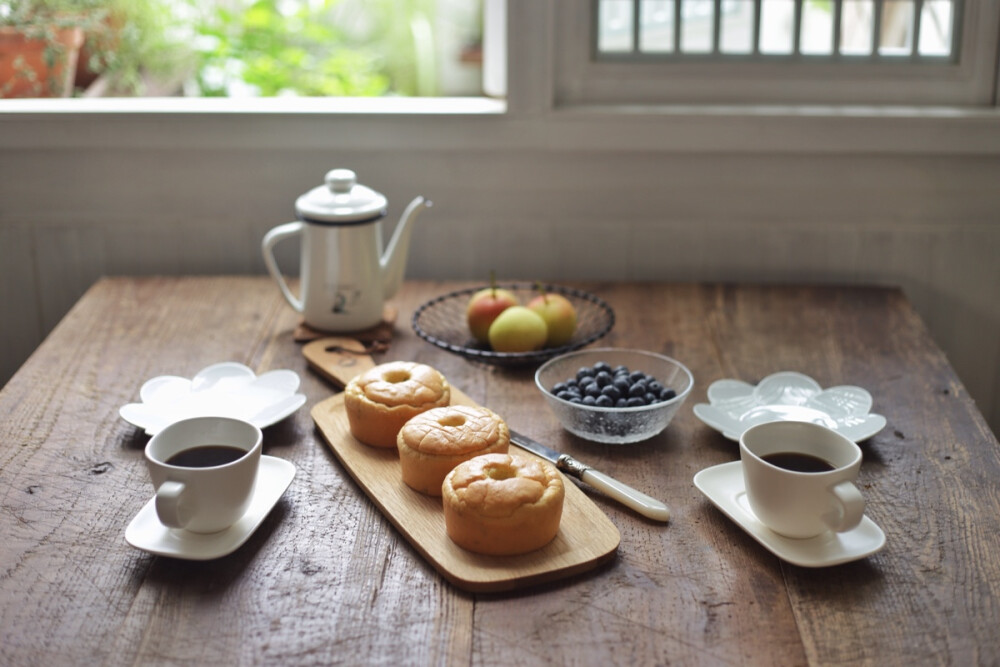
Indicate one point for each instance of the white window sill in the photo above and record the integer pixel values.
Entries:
(258, 105)
(487, 124)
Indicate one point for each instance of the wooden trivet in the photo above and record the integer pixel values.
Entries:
(380, 332)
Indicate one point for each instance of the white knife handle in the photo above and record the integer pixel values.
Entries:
(626, 495)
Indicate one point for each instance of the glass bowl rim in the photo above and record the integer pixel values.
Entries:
(679, 398)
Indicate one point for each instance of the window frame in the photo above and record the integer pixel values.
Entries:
(531, 117)
(583, 79)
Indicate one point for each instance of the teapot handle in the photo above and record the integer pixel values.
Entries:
(280, 233)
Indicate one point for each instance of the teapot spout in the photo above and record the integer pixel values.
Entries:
(394, 258)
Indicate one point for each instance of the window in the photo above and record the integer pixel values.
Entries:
(241, 48)
(854, 31)
(882, 52)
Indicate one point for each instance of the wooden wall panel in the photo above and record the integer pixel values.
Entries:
(928, 224)
(21, 327)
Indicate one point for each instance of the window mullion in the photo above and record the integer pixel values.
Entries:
(838, 17)
(717, 28)
(877, 28)
(758, 10)
(918, 11)
(797, 29)
(677, 25)
(636, 25)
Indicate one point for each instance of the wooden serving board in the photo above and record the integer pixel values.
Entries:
(338, 358)
(586, 537)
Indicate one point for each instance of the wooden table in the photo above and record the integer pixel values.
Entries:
(327, 579)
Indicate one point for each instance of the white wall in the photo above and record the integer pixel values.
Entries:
(902, 196)
(136, 194)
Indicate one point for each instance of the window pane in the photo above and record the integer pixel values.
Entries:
(857, 26)
(697, 24)
(777, 21)
(736, 32)
(675, 28)
(817, 28)
(264, 48)
(897, 28)
(657, 26)
(615, 26)
(936, 19)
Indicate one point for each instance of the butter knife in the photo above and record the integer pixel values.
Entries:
(626, 495)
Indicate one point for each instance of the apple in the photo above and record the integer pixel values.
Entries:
(559, 315)
(484, 306)
(518, 329)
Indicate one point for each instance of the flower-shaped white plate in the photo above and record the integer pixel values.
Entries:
(221, 390)
(734, 406)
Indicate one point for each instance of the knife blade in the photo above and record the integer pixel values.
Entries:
(626, 495)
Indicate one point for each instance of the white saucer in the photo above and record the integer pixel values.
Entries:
(227, 389)
(724, 486)
(147, 533)
(734, 406)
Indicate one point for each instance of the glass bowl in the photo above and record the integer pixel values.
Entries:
(441, 322)
(615, 425)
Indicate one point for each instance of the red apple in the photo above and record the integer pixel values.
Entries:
(559, 315)
(484, 307)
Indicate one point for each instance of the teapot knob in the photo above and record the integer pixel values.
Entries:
(341, 181)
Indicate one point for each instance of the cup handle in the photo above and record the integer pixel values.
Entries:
(280, 233)
(851, 507)
(169, 498)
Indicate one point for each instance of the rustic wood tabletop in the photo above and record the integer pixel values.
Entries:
(328, 579)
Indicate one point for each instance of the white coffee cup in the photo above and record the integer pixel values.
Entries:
(198, 489)
(788, 500)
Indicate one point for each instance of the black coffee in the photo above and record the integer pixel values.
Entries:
(798, 462)
(206, 456)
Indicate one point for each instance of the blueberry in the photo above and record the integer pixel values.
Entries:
(576, 399)
(667, 394)
(655, 386)
(612, 392)
(622, 385)
(602, 366)
(634, 402)
(584, 372)
(650, 398)
(558, 387)
(605, 401)
(603, 378)
(592, 390)
(586, 382)
(635, 376)
(637, 390)
(589, 400)
(571, 382)
(620, 369)
(621, 403)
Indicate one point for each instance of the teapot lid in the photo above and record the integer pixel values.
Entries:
(341, 201)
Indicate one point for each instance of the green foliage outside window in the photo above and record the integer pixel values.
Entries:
(318, 48)
(250, 47)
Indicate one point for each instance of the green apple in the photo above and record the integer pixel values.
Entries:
(518, 329)
(559, 315)
(484, 306)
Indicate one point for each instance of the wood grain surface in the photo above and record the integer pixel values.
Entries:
(585, 540)
(328, 580)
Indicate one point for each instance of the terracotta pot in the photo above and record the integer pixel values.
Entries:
(23, 70)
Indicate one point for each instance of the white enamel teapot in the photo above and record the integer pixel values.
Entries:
(346, 276)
